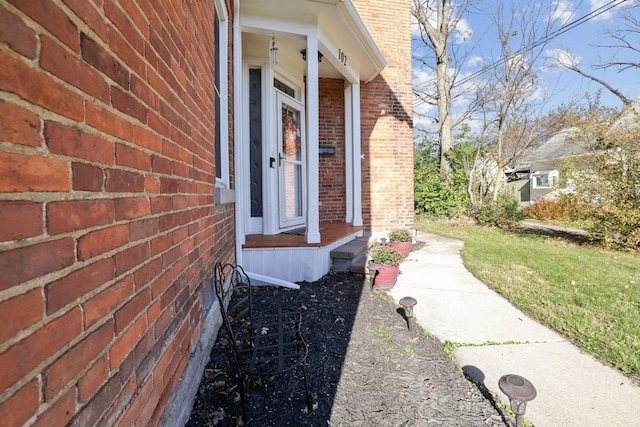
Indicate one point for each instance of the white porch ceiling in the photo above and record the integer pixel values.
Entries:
(338, 26)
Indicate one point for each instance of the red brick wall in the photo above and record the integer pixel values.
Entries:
(332, 167)
(387, 127)
(108, 230)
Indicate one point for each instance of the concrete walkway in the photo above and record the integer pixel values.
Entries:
(493, 339)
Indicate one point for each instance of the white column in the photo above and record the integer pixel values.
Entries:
(313, 129)
(348, 152)
(357, 161)
(240, 182)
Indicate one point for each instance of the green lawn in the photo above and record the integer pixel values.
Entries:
(589, 295)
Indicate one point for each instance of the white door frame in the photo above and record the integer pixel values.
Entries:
(285, 162)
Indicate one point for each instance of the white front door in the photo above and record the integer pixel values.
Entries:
(291, 162)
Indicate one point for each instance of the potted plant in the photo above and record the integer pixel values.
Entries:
(384, 265)
(401, 239)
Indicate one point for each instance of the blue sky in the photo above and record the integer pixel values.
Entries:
(584, 22)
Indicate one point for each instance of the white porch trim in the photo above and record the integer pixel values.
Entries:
(240, 182)
(356, 164)
(313, 134)
(293, 264)
(348, 152)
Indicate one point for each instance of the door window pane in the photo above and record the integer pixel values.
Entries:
(255, 141)
(291, 133)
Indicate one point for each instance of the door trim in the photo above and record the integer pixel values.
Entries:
(287, 220)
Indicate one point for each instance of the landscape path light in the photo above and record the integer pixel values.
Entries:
(519, 390)
(407, 304)
(373, 270)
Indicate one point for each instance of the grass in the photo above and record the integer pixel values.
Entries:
(589, 295)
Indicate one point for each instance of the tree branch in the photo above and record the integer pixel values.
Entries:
(624, 99)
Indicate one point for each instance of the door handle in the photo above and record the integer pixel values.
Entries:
(281, 158)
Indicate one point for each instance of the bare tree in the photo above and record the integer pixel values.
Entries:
(438, 20)
(625, 43)
(509, 101)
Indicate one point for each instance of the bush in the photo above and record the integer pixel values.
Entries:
(563, 207)
(619, 224)
(385, 255)
(401, 235)
(546, 210)
(606, 184)
(506, 210)
(436, 194)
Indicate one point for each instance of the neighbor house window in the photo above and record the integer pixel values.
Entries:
(220, 33)
(545, 179)
(541, 181)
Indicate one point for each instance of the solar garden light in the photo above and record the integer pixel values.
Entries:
(407, 303)
(519, 390)
(373, 269)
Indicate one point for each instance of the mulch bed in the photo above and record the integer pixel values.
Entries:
(365, 368)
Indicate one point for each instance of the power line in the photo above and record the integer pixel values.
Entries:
(595, 13)
(548, 37)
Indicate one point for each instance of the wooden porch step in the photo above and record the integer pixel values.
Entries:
(351, 254)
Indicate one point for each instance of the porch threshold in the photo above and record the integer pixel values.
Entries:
(330, 233)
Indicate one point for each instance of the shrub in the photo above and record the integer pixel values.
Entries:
(385, 255)
(505, 210)
(607, 183)
(401, 235)
(545, 209)
(436, 194)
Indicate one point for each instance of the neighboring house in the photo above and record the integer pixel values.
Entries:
(142, 141)
(537, 174)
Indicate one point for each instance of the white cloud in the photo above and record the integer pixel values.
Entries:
(476, 61)
(463, 32)
(562, 58)
(597, 4)
(423, 115)
(562, 10)
(461, 103)
(415, 27)
(422, 78)
(537, 94)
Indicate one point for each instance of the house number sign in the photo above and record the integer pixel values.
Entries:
(342, 57)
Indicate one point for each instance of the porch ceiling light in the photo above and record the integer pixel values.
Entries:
(274, 53)
(519, 390)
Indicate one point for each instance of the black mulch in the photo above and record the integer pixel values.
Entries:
(365, 368)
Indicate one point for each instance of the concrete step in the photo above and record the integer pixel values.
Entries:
(343, 257)
(359, 264)
(351, 249)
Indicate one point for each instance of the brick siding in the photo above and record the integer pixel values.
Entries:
(108, 231)
(387, 124)
(332, 166)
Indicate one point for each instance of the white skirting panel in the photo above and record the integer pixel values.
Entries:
(292, 264)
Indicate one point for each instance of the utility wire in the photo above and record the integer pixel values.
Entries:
(595, 13)
(569, 26)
